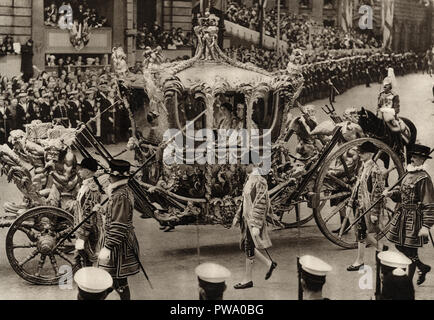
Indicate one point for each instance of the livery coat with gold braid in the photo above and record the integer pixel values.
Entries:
(416, 209)
(368, 189)
(88, 196)
(256, 207)
(119, 234)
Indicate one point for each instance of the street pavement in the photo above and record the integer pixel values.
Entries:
(170, 258)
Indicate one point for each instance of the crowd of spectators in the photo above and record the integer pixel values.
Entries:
(82, 13)
(66, 97)
(7, 46)
(65, 60)
(299, 31)
(155, 36)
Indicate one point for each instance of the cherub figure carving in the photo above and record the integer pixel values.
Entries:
(120, 65)
(207, 34)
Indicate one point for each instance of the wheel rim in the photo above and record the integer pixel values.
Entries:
(334, 184)
(284, 213)
(30, 244)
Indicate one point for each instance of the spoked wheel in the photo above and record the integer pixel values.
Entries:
(289, 219)
(30, 244)
(334, 184)
(284, 214)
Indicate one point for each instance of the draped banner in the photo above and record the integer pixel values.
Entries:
(346, 17)
(387, 10)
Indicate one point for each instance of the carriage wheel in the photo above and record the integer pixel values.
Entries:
(334, 185)
(285, 217)
(30, 244)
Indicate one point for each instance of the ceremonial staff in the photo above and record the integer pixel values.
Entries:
(300, 288)
(5, 126)
(374, 204)
(129, 179)
(378, 200)
(94, 212)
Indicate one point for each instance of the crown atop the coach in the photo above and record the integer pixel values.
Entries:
(208, 19)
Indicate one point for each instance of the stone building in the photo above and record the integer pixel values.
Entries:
(24, 19)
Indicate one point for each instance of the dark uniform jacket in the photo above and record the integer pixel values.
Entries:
(73, 114)
(415, 209)
(119, 236)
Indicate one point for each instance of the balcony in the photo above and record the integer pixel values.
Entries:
(252, 36)
(57, 42)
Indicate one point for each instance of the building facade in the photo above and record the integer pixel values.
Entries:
(413, 25)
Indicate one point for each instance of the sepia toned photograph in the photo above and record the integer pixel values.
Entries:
(188, 150)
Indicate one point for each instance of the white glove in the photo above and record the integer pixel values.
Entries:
(374, 219)
(255, 232)
(386, 194)
(96, 208)
(104, 255)
(79, 244)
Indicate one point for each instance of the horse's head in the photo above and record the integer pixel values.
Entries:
(365, 117)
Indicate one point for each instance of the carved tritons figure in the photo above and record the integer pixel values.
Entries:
(60, 168)
(15, 170)
(54, 182)
(120, 65)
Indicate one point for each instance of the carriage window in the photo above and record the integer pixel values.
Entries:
(263, 113)
(230, 112)
(188, 109)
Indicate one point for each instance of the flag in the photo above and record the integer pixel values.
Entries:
(346, 11)
(387, 11)
(349, 13)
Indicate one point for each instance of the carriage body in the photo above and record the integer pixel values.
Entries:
(206, 118)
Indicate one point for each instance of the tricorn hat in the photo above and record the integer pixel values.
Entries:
(89, 163)
(119, 168)
(368, 147)
(420, 150)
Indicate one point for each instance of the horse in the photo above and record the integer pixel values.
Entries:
(378, 129)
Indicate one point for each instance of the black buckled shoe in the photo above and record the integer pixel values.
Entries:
(422, 275)
(244, 285)
(169, 228)
(355, 268)
(270, 271)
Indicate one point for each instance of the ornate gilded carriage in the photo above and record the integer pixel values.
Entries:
(195, 102)
(216, 92)
(209, 92)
